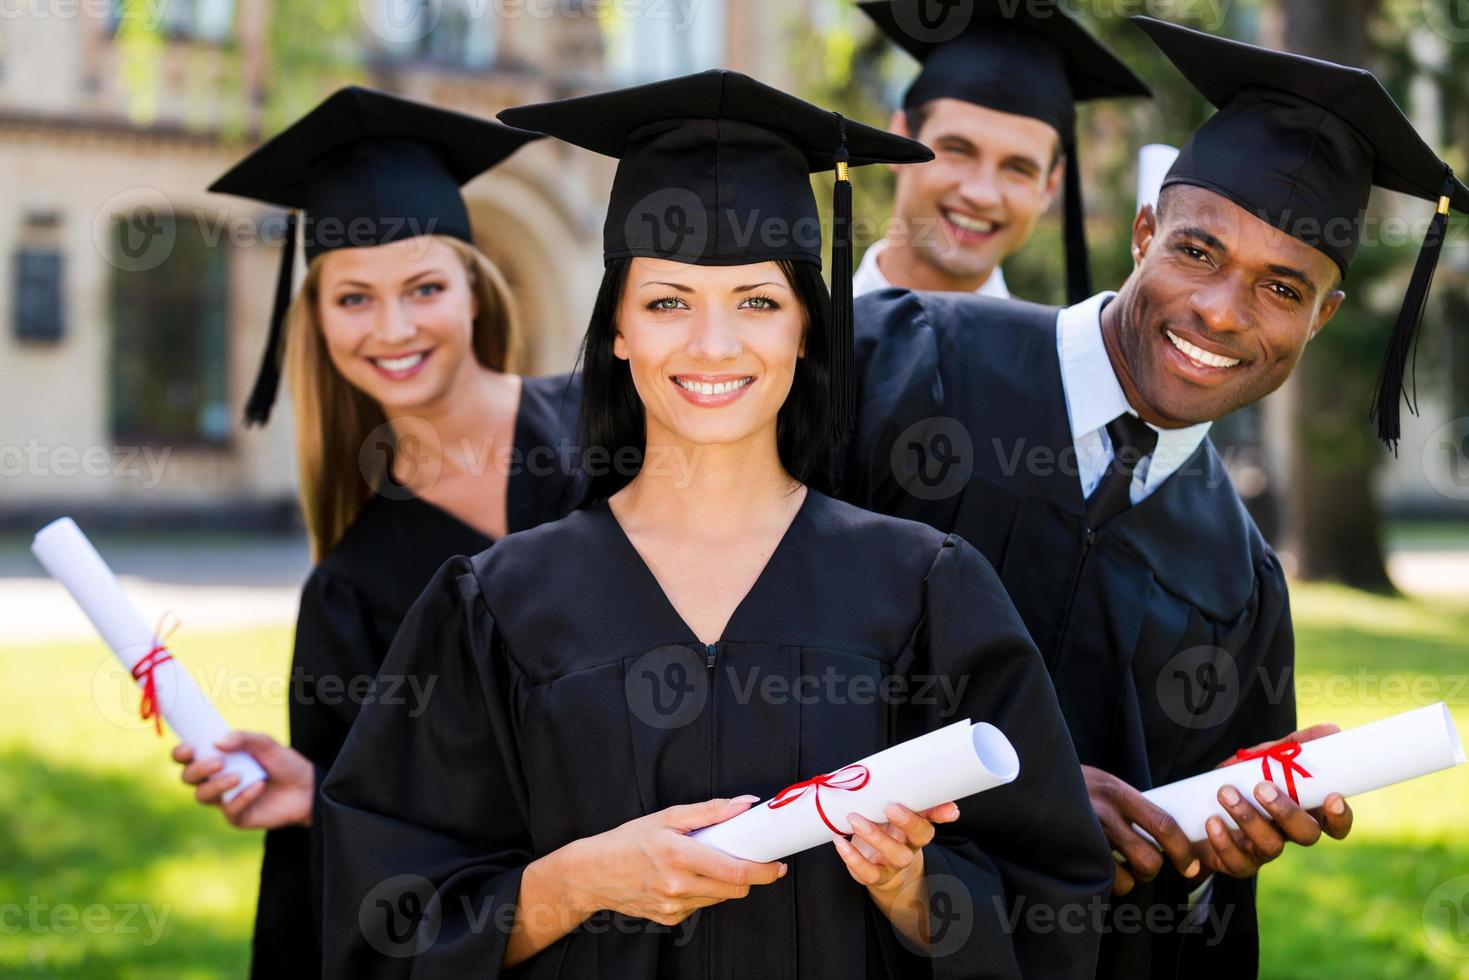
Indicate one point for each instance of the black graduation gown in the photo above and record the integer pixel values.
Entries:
(351, 607)
(1167, 630)
(533, 740)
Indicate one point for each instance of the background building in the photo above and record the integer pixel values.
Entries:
(136, 303)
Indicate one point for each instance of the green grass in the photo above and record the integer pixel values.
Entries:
(93, 820)
(92, 815)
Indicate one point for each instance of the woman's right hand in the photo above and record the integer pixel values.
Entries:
(283, 799)
(648, 868)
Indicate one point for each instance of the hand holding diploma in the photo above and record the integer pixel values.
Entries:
(1263, 826)
(285, 798)
(1144, 835)
(922, 773)
(647, 868)
(1241, 815)
(167, 688)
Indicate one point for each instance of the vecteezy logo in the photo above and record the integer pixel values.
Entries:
(402, 458)
(1199, 687)
(1448, 18)
(933, 21)
(671, 223)
(950, 910)
(402, 916)
(1446, 917)
(1446, 459)
(933, 458)
(135, 229)
(667, 687)
(401, 21)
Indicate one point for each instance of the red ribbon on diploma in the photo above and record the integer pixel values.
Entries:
(855, 780)
(1282, 752)
(143, 673)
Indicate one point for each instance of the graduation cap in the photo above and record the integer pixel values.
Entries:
(1299, 143)
(715, 168)
(1029, 59)
(367, 168)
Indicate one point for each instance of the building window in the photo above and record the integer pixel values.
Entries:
(453, 33)
(170, 329)
(38, 313)
(661, 40)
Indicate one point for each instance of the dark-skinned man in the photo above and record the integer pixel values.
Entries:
(1070, 446)
(996, 101)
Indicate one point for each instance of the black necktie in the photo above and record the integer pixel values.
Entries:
(1132, 442)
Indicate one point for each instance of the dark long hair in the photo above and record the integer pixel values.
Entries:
(810, 429)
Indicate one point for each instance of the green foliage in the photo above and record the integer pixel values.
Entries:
(313, 47)
(140, 48)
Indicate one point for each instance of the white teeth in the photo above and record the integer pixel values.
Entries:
(972, 224)
(1195, 353)
(399, 363)
(712, 388)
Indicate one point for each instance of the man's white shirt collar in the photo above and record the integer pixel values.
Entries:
(869, 278)
(1095, 397)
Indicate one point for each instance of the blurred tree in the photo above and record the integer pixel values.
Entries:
(1335, 525)
(838, 60)
(312, 47)
(279, 58)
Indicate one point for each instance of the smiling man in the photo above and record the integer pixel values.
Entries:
(1070, 446)
(996, 101)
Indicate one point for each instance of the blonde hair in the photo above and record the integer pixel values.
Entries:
(335, 419)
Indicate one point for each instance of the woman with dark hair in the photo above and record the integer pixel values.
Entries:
(712, 627)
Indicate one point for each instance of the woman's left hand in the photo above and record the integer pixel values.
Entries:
(888, 857)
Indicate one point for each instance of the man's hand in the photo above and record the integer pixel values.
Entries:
(1119, 806)
(1258, 841)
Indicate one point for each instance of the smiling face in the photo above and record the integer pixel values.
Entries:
(976, 203)
(398, 320)
(1218, 310)
(712, 350)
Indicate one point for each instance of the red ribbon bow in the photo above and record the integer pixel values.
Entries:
(1282, 752)
(143, 673)
(833, 780)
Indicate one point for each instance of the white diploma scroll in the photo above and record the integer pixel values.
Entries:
(1392, 750)
(70, 558)
(1153, 163)
(956, 761)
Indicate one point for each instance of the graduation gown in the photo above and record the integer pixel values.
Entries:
(541, 731)
(351, 607)
(1167, 630)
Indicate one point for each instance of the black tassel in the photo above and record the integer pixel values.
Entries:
(268, 379)
(843, 366)
(1078, 266)
(1402, 346)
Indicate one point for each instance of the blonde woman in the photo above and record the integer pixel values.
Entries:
(414, 442)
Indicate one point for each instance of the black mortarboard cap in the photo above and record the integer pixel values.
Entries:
(715, 169)
(366, 168)
(1029, 59)
(1299, 143)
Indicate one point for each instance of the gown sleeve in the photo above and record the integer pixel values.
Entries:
(1029, 858)
(423, 870)
(335, 638)
(898, 384)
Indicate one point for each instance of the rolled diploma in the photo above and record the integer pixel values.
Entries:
(951, 763)
(1153, 163)
(70, 558)
(1381, 753)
